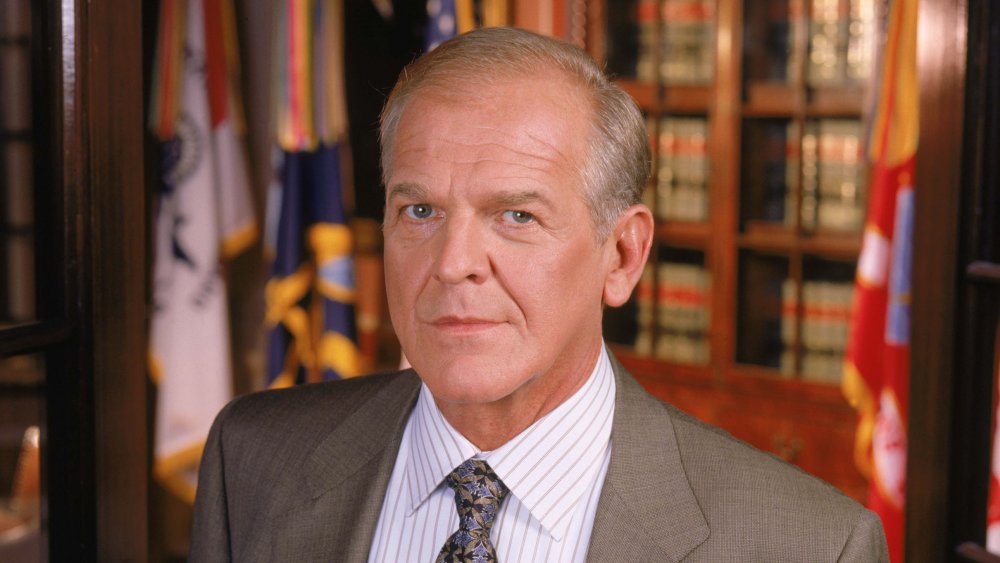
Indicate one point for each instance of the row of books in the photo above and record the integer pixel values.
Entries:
(676, 41)
(682, 169)
(827, 170)
(674, 319)
(840, 45)
(820, 329)
(840, 36)
(834, 180)
(673, 312)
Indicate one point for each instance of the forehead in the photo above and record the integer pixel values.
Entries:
(536, 114)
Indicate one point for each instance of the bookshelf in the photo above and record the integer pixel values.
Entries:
(755, 115)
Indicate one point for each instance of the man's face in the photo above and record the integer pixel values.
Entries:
(493, 274)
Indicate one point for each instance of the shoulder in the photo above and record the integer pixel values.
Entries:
(752, 502)
(746, 493)
(722, 461)
(311, 400)
(298, 417)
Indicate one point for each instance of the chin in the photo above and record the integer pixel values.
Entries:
(470, 382)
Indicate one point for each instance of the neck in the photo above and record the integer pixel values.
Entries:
(491, 425)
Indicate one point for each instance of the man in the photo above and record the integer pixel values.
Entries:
(513, 172)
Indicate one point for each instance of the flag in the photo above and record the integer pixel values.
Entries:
(204, 217)
(446, 19)
(993, 504)
(310, 294)
(877, 362)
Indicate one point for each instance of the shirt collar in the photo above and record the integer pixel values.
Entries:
(565, 449)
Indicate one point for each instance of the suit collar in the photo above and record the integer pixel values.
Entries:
(647, 504)
(349, 468)
(362, 437)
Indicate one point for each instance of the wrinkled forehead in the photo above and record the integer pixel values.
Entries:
(535, 115)
(542, 105)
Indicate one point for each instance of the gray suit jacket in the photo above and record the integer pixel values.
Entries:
(300, 475)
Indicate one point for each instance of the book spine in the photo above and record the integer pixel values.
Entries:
(826, 38)
(682, 313)
(687, 41)
(793, 172)
(810, 176)
(645, 67)
(825, 322)
(645, 302)
(789, 326)
(667, 151)
(842, 180)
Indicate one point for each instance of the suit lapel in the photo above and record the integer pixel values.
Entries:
(347, 476)
(647, 510)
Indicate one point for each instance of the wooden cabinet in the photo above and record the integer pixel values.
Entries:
(755, 111)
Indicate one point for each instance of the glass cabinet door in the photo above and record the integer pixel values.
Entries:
(22, 376)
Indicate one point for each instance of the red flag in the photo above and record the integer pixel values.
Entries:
(877, 365)
(993, 507)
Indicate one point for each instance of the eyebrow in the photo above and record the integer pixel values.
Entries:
(515, 199)
(411, 190)
(407, 190)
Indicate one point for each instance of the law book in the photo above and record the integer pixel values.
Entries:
(682, 313)
(645, 303)
(809, 185)
(860, 40)
(841, 42)
(793, 172)
(789, 326)
(645, 67)
(687, 42)
(825, 323)
(794, 12)
(773, 150)
(682, 177)
(842, 183)
(827, 39)
(649, 193)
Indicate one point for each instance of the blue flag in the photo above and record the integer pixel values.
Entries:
(310, 296)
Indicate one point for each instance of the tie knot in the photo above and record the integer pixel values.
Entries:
(478, 494)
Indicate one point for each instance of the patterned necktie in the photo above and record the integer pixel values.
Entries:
(478, 494)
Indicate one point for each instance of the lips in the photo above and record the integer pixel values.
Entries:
(462, 324)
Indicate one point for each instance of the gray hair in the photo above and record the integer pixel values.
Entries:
(618, 166)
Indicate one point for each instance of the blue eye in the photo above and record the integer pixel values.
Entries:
(419, 211)
(518, 217)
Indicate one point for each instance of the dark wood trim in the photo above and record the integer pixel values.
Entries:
(984, 272)
(32, 337)
(92, 230)
(941, 55)
(117, 243)
(979, 304)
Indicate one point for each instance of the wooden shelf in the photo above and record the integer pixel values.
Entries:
(772, 99)
(683, 234)
(773, 238)
(687, 99)
(782, 99)
(762, 132)
(830, 244)
(845, 101)
(652, 98)
(743, 379)
(645, 94)
(805, 423)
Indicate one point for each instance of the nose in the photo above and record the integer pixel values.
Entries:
(462, 252)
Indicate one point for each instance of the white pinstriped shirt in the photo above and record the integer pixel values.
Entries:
(555, 470)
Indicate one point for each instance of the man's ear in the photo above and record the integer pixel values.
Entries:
(632, 239)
